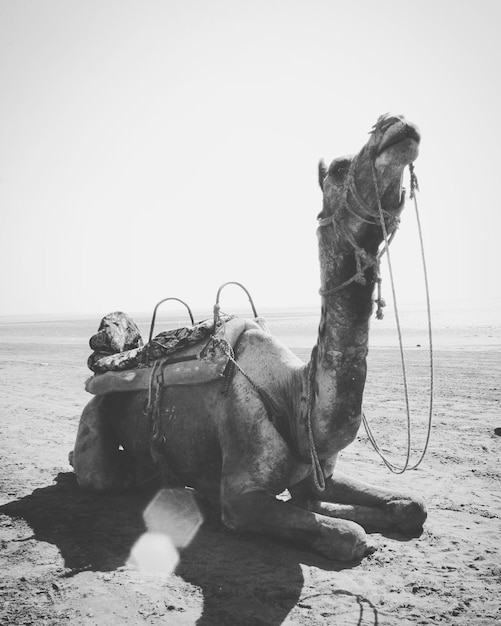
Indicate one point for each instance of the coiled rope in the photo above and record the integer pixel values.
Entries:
(389, 464)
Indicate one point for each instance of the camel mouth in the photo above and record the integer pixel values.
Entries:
(398, 134)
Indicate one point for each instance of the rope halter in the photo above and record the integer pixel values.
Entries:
(364, 261)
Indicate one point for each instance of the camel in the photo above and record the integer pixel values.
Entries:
(280, 424)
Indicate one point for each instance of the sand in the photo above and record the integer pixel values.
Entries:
(64, 552)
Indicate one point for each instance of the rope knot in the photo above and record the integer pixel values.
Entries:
(360, 278)
(381, 303)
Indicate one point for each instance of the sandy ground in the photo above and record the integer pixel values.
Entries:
(64, 552)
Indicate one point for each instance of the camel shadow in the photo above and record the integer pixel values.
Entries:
(244, 579)
(92, 532)
(254, 581)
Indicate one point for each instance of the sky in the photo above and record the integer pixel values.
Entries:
(156, 148)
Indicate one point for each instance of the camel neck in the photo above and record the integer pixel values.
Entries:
(340, 367)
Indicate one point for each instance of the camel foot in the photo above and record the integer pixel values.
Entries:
(407, 515)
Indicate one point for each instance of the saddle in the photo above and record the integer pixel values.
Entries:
(184, 356)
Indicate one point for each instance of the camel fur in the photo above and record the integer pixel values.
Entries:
(224, 444)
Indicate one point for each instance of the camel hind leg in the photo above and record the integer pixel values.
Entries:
(98, 462)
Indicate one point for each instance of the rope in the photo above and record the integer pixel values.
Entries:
(226, 348)
(152, 411)
(363, 259)
(358, 277)
(318, 474)
(390, 465)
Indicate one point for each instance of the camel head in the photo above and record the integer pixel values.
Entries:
(353, 184)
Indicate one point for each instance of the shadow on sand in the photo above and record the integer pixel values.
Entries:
(243, 579)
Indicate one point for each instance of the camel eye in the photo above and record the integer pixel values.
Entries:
(338, 168)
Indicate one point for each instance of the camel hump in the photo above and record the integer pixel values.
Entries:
(322, 173)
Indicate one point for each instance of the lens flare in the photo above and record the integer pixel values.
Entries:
(172, 519)
(154, 552)
(174, 512)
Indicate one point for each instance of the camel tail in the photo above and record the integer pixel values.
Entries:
(322, 173)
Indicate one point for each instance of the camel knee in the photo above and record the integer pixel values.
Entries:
(408, 514)
(236, 511)
(102, 475)
(95, 483)
(343, 540)
(104, 482)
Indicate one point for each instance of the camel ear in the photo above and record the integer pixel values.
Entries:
(322, 173)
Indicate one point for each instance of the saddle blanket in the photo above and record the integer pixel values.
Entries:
(195, 364)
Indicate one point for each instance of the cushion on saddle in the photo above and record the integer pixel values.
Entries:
(117, 332)
(118, 344)
(185, 358)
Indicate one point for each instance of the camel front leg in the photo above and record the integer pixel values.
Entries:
(374, 508)
(261, 512)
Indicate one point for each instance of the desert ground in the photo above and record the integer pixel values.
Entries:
(64, 552)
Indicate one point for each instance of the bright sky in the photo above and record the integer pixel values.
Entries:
(154, 148)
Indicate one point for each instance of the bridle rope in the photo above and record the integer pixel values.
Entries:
(389, 464)
(363, 262)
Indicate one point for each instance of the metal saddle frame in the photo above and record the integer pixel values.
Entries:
(217, 307)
